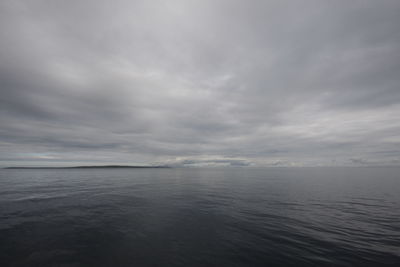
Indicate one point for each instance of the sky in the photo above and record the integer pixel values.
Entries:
(200, 83)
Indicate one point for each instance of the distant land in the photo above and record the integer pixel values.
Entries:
(93, 167)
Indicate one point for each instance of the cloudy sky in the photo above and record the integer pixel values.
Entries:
(206, 82)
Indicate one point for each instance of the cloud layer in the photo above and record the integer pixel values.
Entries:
(215, 82)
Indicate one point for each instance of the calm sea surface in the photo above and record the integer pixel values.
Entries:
(200, 217)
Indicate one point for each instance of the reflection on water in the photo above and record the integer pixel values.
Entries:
(200, 217)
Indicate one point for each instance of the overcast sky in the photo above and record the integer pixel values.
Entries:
(207, 82)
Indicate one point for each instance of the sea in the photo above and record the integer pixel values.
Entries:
(233, 216)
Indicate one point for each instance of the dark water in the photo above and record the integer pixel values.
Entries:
(200, 217)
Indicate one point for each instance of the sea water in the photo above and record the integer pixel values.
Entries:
(200, 217)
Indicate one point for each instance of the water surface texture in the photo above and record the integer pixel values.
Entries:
(200, 217)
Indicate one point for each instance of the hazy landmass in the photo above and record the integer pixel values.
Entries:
(91, 167)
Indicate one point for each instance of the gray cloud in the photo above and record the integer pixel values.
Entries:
(263, 83)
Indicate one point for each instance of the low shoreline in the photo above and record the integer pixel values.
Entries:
(93, 167)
